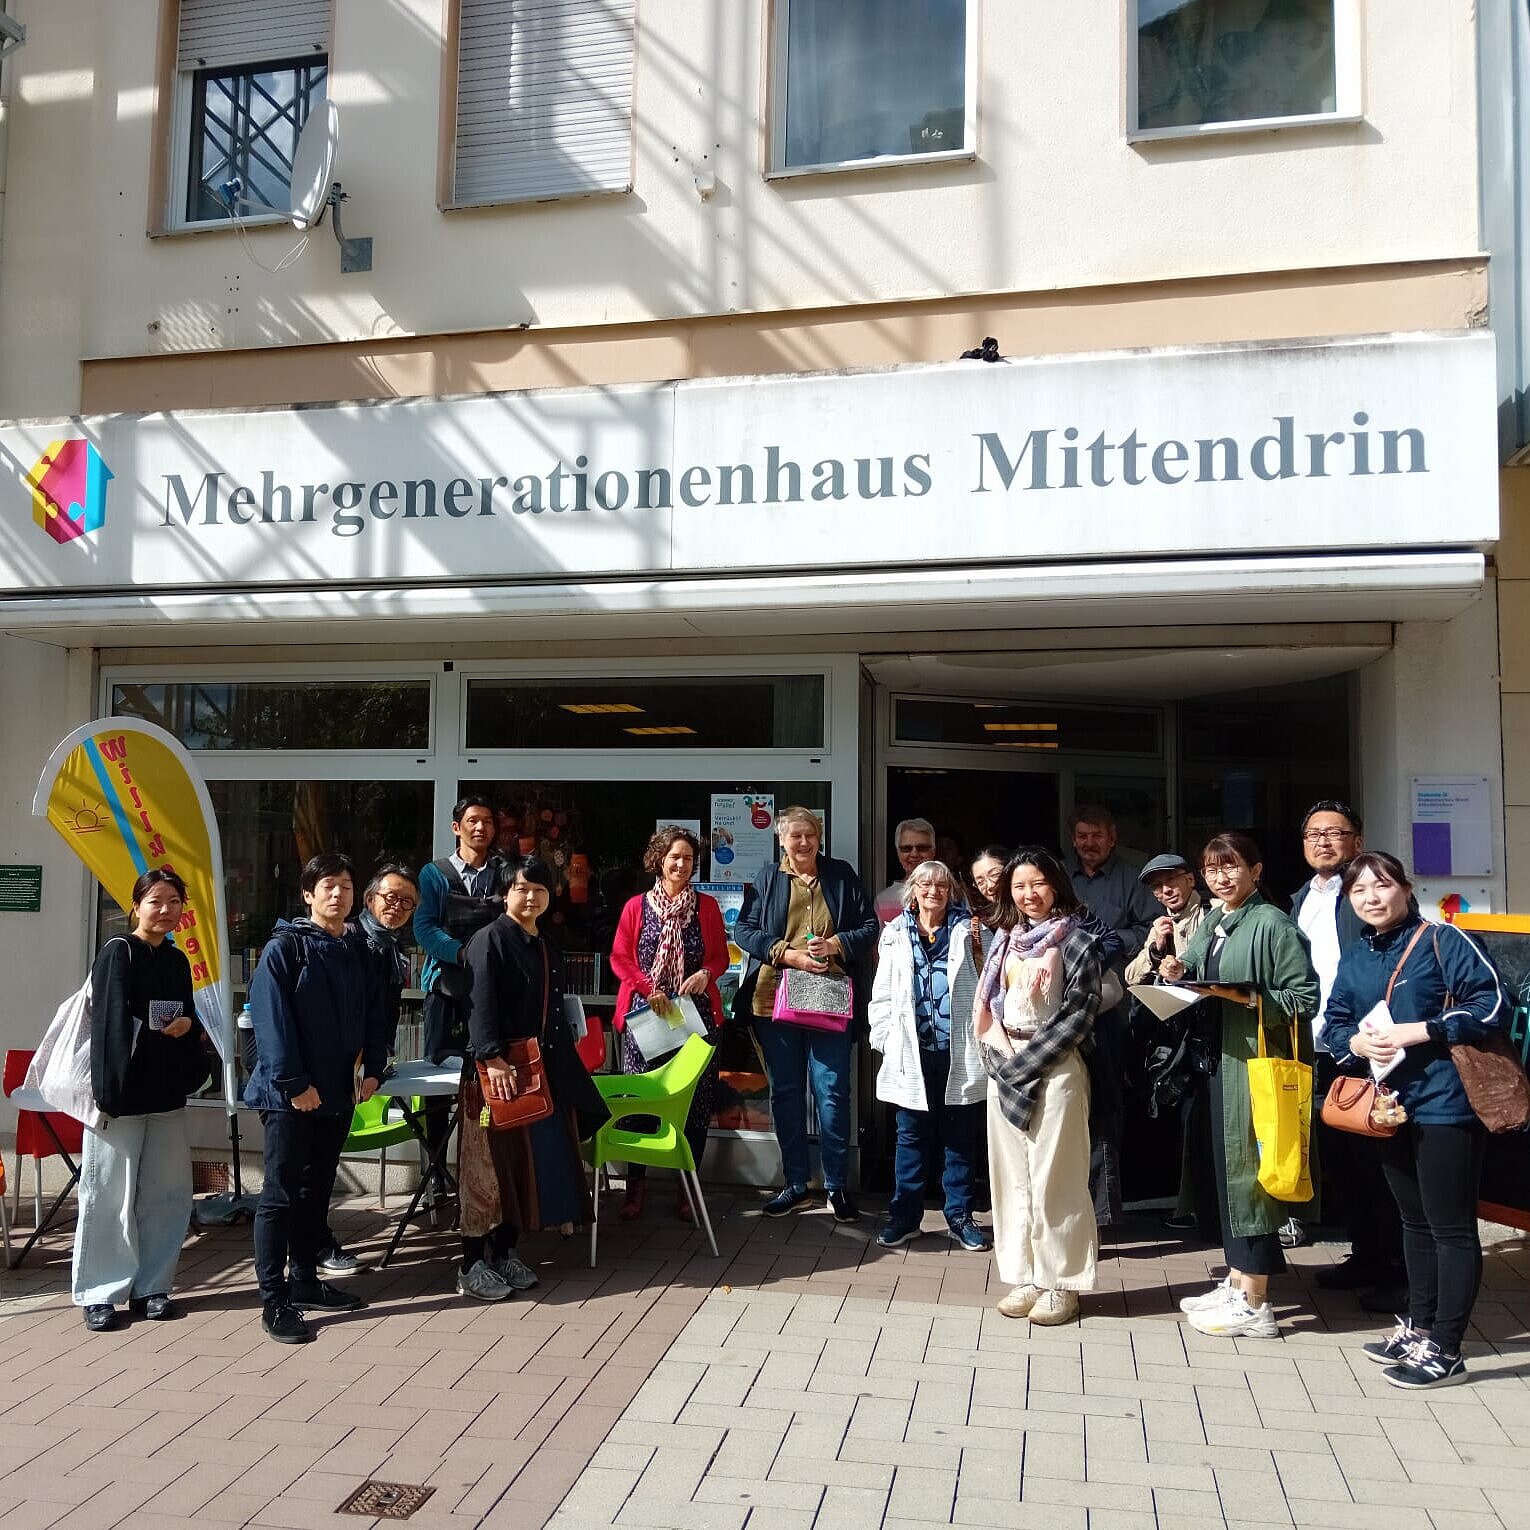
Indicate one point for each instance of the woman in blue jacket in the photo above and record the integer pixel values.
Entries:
(812, 913)
(1443, 991)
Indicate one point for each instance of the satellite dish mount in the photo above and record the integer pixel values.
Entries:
(315, 191)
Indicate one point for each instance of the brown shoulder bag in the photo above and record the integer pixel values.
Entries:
(1493, 1075)
(1356, 1104)
(532, 1099)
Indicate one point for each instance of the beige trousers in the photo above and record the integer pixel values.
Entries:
(1044, 1232)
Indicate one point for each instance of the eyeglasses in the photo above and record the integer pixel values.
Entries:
(1317, 836)
(924, 849)
(397, 900)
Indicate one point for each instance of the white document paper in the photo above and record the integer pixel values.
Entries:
(1166, 1000)
(1378, 1021)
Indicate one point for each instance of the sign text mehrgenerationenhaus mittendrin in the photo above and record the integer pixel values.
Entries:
(1046, 458)
(1378, 443)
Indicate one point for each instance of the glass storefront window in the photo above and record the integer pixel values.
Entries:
(318, 714)
(1026, 727)
(270, 828)
(593, 834)
(733, 712)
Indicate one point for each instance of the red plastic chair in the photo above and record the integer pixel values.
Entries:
(592, 1050)
(33, 1139)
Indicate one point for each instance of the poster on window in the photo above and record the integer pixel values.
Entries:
(743, 834)
(730, 899)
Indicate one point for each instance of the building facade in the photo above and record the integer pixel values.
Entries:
(639, 473)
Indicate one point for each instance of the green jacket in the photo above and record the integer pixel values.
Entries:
(1264, 951)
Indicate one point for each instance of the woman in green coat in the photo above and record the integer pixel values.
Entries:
(1251, 952)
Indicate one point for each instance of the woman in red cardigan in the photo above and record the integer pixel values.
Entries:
(671, 941)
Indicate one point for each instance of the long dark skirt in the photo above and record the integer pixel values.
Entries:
(524, 1180)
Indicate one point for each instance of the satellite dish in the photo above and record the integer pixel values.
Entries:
(313, 165)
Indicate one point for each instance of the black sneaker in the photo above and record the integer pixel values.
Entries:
(784, 1202)
(284, 1323)
(338, 1262)
(101, 1318)
(320, 1296)
(1426, 1366)
(1292, 1233)
(1397, 1345)
(895, 1236)
(844, 1209)
(157, 1308)
(969, 1236)
(1383, 1299)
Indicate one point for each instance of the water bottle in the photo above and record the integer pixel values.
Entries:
(246, 1025)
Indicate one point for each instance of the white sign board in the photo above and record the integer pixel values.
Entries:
(1452, 827)
(1349, 444)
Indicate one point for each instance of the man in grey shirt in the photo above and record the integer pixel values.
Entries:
(1111, 891)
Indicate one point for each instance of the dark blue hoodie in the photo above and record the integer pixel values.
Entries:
(1445, 963)
(317, 1004)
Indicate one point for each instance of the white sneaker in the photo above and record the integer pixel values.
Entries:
(1236, 1319)
(1054, 1308)
(1018, 1302)
(1217, 1296)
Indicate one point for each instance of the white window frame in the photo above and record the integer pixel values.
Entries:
(777, 170)
(182, 90)
(456, 202)
(1347, 76)
(447, 760)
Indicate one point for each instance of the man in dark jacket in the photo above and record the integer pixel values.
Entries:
(1331, 838)
(320, 1035)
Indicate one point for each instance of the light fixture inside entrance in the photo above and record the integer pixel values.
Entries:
(654, 732)
(1019, 727)
(593, 708)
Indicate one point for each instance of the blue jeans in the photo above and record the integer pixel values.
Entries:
(794, 1058)
(955, 1127)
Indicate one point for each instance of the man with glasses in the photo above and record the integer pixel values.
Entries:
(1331, 838)
(914, 840)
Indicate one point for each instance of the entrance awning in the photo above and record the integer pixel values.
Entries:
(1142, 592)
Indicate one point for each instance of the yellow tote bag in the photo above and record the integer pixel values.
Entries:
(1280, 1090)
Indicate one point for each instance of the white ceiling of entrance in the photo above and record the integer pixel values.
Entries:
(1143, 674)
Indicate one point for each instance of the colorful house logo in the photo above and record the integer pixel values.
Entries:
(68, 487)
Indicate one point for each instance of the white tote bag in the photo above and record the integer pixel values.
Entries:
(60, 1068)
(656, 1037)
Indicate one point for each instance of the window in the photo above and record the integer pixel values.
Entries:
(1030, 727)
(312, 714)
(248, 75)
(544, 99)
(739, 712)
(859, 82)
(1205, 66)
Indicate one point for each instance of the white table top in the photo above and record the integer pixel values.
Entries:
(423, 1078)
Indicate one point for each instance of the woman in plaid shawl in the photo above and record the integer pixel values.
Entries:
(1034, 1015)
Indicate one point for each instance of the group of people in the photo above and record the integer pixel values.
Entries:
(998, 1007)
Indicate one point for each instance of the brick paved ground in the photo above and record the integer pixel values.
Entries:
(806, 1378)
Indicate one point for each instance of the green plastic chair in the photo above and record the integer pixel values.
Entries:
(371, 1129)
(664, 1092)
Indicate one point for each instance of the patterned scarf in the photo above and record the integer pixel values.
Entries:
(668, 969)
(1032, 945)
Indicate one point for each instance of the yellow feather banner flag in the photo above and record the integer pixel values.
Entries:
(126, 797)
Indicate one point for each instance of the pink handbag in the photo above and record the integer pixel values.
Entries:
(818, 1001)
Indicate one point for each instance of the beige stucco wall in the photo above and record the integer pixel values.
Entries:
(1057, 198)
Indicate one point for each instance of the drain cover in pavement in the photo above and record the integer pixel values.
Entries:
(385, 1500)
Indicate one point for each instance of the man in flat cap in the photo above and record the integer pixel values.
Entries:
(1170, 880)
